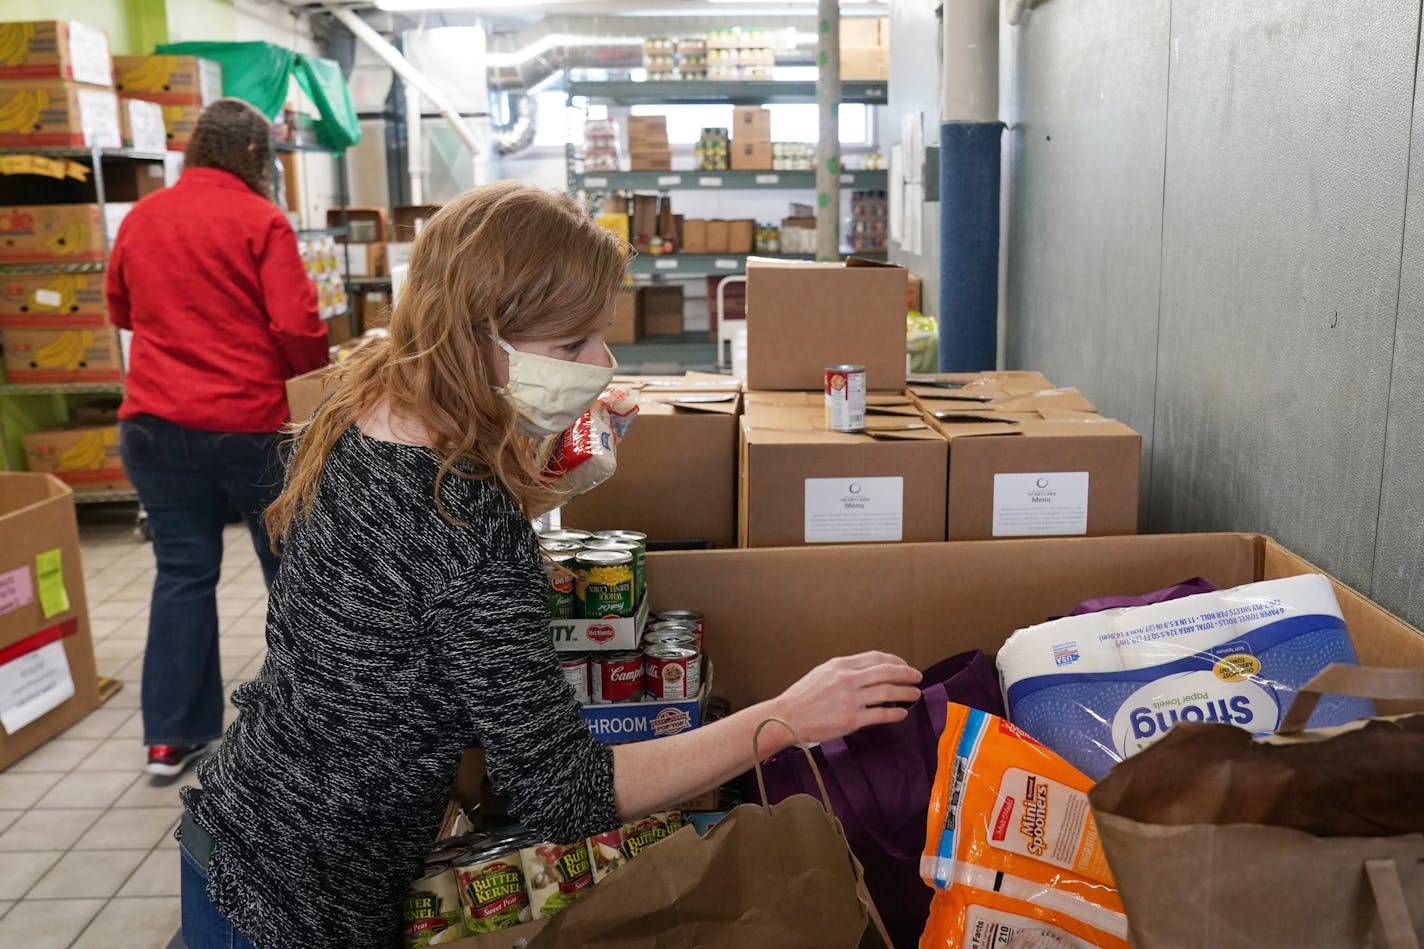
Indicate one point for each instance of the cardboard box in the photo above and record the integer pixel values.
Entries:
(751, 124)
(70, 300)
(661, 310)
(57, 113)
(129, 181)
(305, 392)
(600, 635)
(179, 121)
(364, 224)
(650, 161)
(645, 220)
(719, 237)
(55, 49)
(56, 233)
(751, 156)
(36, 520)
(169, 80)
(651, 718)
(741, 236)
(55, 354)
(141, 125)
(913, 294)
(372, 309)
(626, 326)
(398, 254)
(645, 130)
(803, 317)
(1032, 465)
(734, 301)
(85, 457)
(408, 220)
(694, 236)
(800, 484)
(865, 64)
(364, 260)
(677, 466)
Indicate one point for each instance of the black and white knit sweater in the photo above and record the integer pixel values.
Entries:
(396, 640)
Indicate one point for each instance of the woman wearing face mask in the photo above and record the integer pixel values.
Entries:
(409, 622)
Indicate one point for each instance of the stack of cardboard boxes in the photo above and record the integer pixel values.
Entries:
(56, 86)
(365, 239)
(46, 650)
(181, 86)
(648, 148)
(646, 311)
(996, 454)
(751, 139)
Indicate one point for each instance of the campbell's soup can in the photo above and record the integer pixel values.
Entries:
(670, 672)
(676, 636)
(691, 617)
(563, 582)
(617, 677)
(632, 550)
(845, 398)
(639, 555)
(562, 536)
(575, 668)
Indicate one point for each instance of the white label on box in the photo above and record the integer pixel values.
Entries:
(210, 80)
(595, 182)
(34, 684)
(710, 182)
(727, 263)
(854, 510)
(89, 55)
(99, 118)
(670, 179)
(47, 297)
(847, 179)
(146, 128)
(15, 590)
(1046, 504)
(665, 264)
(768, 179)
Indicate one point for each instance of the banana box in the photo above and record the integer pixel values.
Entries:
(178, 123)
(141, 125)
(85, 457)
(47, 233)
(69, 300)
(55, 113)
(55, 49)
(169, 80)
(58, 354)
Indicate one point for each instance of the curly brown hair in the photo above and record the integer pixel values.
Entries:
(233, 136)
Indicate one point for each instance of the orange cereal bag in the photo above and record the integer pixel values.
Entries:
(1011, 845)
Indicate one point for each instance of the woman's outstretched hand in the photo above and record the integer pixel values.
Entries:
(847, 693)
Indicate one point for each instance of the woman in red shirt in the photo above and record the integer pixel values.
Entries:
(208, 277)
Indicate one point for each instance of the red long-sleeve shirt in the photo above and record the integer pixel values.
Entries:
(208, 276)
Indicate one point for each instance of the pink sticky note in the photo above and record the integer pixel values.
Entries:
(16, 590)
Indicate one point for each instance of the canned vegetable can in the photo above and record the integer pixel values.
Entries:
(557, 875)
(563, 582)
(632, 549)
(493, 893)
(639, 558)
(431, 909)
(605, 584)
(845, 398)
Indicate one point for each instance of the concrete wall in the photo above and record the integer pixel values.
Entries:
(1207, 207)
(914, 87)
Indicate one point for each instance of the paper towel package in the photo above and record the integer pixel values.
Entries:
(1100, 687)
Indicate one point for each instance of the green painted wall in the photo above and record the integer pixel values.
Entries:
(201, 20)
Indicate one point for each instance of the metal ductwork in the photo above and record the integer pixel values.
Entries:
(516, 134)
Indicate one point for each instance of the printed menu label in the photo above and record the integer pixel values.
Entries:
(1045, 504)
(854, 510)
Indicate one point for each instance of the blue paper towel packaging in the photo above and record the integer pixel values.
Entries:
(1100, 687)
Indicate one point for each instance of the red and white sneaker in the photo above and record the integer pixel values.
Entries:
(169, 760)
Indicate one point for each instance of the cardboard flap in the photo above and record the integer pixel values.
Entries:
(973, 428)
(905, 408)
(920, 432)
(1063, 399)
(1084, 427)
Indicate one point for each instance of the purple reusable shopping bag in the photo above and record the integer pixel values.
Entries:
(879, 780)
(1174, 592)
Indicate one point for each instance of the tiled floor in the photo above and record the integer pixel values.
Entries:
(87, 856)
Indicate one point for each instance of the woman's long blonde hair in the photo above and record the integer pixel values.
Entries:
(505, 257)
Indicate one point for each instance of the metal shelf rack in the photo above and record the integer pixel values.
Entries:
(740, 92)
(718, 180)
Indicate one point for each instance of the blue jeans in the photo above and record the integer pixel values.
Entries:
(203, 926)
(186, 480)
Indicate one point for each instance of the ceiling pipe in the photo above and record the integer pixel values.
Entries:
(409, 74)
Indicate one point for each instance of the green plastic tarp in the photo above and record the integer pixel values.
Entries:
(259, 73)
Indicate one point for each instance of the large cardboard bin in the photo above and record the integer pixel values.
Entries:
(771, 615)
(37, 522)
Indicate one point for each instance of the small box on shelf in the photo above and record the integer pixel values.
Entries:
(179, 121)
(661, 310)
(600, 635)
(751, 124)
(61, 354)
(625, 329)
(58, 113)
(56, 49)
(408, 220)
(752, 156)
(73, 300)
(83, 456)
(364, 225)
(651, 718)
(169, 80)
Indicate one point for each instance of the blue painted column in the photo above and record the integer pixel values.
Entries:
(969, 245)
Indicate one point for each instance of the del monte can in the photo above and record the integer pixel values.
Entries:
(605, 584)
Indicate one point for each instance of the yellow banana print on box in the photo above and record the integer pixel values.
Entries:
(15, 42)
(152, 76)
(21, 113)
(72, 238)
(90, 451)
(65, 351)
(67, 286)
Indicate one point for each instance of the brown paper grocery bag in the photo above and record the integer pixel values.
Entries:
(1307, 839)
(778, 877)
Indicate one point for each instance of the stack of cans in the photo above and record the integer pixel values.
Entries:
(594, 575)
(668, 664)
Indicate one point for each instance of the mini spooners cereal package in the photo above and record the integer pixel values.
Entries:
(1011, 844)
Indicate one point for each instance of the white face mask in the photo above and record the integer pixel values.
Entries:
(548, 395)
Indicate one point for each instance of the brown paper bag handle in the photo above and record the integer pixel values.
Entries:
(810, 760)
(1393, 907)
(1366, 682)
